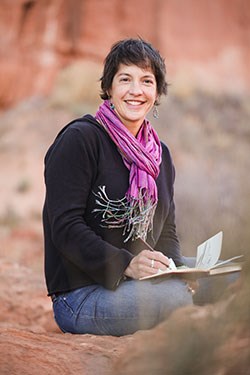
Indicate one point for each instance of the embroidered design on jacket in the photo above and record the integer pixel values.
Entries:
(135, 219)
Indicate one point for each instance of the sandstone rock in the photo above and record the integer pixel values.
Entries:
(205, 44)
(30, 341)
(27, 353)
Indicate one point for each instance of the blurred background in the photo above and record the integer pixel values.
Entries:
(51, 55)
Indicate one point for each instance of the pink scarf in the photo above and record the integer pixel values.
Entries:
(142, 156)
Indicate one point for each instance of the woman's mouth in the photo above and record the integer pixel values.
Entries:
(134, 103)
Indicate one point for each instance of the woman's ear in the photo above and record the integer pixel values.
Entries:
(157, 100)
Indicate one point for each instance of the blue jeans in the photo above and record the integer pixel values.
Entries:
(133, 306)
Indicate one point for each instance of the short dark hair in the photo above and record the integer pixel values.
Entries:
(136, 52)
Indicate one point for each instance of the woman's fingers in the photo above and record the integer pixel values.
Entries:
(155, 266)
(147, 263)
(192, 286)
(153, 261)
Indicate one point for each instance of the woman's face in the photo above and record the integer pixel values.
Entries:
(133, 93)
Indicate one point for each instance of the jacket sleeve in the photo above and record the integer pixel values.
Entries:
(168, 242)
(70, 169)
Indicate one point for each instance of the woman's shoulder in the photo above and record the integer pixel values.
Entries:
(166, 154)
(83, 133)
(86, 125)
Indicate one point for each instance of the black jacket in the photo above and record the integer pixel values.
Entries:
(79, 250)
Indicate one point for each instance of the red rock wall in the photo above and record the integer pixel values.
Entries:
(205, 42)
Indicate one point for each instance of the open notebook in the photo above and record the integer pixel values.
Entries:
(207, 262)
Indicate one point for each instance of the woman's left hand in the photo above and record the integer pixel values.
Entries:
(192, 286)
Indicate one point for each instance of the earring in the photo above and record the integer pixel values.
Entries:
(111, 105)
(155, 112)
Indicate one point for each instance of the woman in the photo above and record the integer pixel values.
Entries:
(109, 187)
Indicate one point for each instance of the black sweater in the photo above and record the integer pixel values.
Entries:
(79, 250)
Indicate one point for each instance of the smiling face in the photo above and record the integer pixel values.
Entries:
(133, 93)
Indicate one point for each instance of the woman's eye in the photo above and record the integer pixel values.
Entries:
(125, 79)
(148, 81)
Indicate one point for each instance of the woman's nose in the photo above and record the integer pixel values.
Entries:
(135, 88)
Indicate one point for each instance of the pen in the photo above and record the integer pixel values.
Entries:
(147, 245)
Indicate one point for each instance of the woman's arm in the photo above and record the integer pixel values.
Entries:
(70, 170)
(168, 242)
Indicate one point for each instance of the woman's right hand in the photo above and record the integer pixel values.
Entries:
(147, 263)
